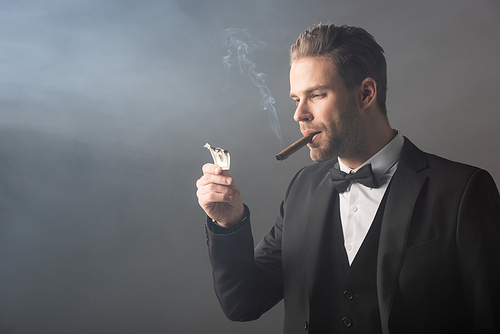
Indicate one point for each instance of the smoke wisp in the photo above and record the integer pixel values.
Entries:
(240, 44)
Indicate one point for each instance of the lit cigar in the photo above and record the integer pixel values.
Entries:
(295, 146)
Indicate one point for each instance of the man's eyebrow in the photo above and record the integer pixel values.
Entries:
(311, 89)
(317, 87)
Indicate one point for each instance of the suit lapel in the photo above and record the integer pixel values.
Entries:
(325, 193)
(403, 193)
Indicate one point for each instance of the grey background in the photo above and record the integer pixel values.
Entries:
(105, 106)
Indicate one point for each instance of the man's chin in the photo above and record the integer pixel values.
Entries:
(318, 156)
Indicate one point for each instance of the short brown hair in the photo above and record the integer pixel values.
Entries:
(354, 52)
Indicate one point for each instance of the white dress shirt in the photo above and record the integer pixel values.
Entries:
(359, 204)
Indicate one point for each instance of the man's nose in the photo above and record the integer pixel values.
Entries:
(302, 113)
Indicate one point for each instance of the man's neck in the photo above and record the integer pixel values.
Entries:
(373, 145)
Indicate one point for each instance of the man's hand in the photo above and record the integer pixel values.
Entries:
(219, 196)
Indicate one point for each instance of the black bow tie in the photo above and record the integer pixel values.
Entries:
(364, 176)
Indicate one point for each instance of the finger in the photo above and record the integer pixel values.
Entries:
(206, 199)
(211, 169)
(213, 178)
(217, 188)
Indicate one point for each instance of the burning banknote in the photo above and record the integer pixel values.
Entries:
(220, 156)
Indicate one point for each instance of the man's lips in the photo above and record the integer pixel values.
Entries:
(317, 134)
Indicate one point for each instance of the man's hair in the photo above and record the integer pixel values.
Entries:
(354, 52)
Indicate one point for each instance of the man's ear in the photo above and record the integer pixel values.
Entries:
(368, 92)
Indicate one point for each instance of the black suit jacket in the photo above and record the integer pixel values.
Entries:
(438, 263)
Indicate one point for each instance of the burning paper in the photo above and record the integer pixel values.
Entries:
(220, 156)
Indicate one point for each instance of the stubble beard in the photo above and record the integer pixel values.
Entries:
(343, 137)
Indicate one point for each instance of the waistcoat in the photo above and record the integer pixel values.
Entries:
(344, 298)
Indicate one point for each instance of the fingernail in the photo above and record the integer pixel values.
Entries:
(236, 193)
(216, 170)
(231, 197)
(228, 180)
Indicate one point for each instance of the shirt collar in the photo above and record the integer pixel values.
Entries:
(384, 159)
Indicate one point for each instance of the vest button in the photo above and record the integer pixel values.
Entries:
(306, 326)
(346, 322)
(348, 294)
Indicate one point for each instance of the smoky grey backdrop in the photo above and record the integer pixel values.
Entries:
(105, 106)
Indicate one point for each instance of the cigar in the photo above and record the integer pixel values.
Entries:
(295, 146)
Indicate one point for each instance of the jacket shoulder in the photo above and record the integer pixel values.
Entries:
(431, 164)
(316, 172)
(443, 174)
(310, 177)
(438, 162)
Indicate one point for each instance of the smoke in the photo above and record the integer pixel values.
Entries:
(240, 43)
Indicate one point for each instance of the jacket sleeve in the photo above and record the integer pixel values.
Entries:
(248, 282)
(245, 284)
(478, 250)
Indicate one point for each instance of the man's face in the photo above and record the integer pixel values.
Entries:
(325, 105)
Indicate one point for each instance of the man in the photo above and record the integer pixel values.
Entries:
(376, 236)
